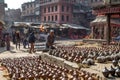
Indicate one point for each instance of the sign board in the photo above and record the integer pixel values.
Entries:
(1, 1)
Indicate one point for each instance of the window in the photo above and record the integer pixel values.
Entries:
(52, 9)
(48, 9)
(44, 18)
(91, 1)
(48, 18)
(67, 8)
(67, 18)
(62, 17)
(52, 18)
(56, 8)
(55, 17)
(62, 8)
(44, 10)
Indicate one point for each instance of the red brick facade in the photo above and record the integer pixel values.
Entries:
(57, 11)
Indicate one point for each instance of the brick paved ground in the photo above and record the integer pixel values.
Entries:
(24, 52)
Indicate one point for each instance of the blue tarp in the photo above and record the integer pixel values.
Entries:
(117, 38)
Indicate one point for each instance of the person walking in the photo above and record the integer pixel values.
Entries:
(32, 42)
(50, 40)
(24, 42)
(18, 40)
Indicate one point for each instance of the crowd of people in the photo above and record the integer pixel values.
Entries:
(28, 41)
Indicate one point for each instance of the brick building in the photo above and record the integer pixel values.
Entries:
(13, 15)
(2, 14)
(28, 12)
(59, 11)
(2, 9)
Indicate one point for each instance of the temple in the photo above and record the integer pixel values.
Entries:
(107, 23)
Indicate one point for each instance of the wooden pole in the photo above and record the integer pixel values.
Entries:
(108, 35)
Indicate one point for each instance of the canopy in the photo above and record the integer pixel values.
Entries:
(21, 24)
(74, 26)
(36, 27)
(103, 19)
(2, 22)
(100, 19)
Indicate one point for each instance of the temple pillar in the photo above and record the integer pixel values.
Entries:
(100, 31)
(105, 32)
(92, 32)
(108, 35)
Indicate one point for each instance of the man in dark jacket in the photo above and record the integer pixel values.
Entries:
(32, 41)
(50, 40)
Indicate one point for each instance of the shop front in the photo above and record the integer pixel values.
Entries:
(1, 34)
(99, 27)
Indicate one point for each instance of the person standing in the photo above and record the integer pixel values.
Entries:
(32, 42)
(7, 40)
(50, 40)
(13, 37)
(18, 39)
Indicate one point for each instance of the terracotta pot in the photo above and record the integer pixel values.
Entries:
(112, 71)
(115, 62)
(105, 72)
(118, 71)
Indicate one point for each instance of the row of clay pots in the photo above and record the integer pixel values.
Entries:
(112, 71)
(78, 55)
(34, 68)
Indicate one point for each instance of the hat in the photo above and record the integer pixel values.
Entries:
(51, 30)
(17, 31)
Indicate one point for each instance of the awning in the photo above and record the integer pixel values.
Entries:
(2, 22)
(36, 27)
(99, 19)
(74, 26)
(103, 19)
(21, 24)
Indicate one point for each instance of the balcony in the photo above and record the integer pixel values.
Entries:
(49, 2)
(30, 14)
(56, 1)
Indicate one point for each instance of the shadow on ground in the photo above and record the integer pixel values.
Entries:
(3, 49)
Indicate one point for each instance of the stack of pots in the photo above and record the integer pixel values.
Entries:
(113, 71)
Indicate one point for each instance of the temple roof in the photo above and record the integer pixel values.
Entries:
(103, 19)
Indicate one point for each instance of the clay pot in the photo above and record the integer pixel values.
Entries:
(118, 71)
(100, 59)
(90, 78)
(105, 72)
(90, 61)
(112, 71)
(115, 62)
(85, 61)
